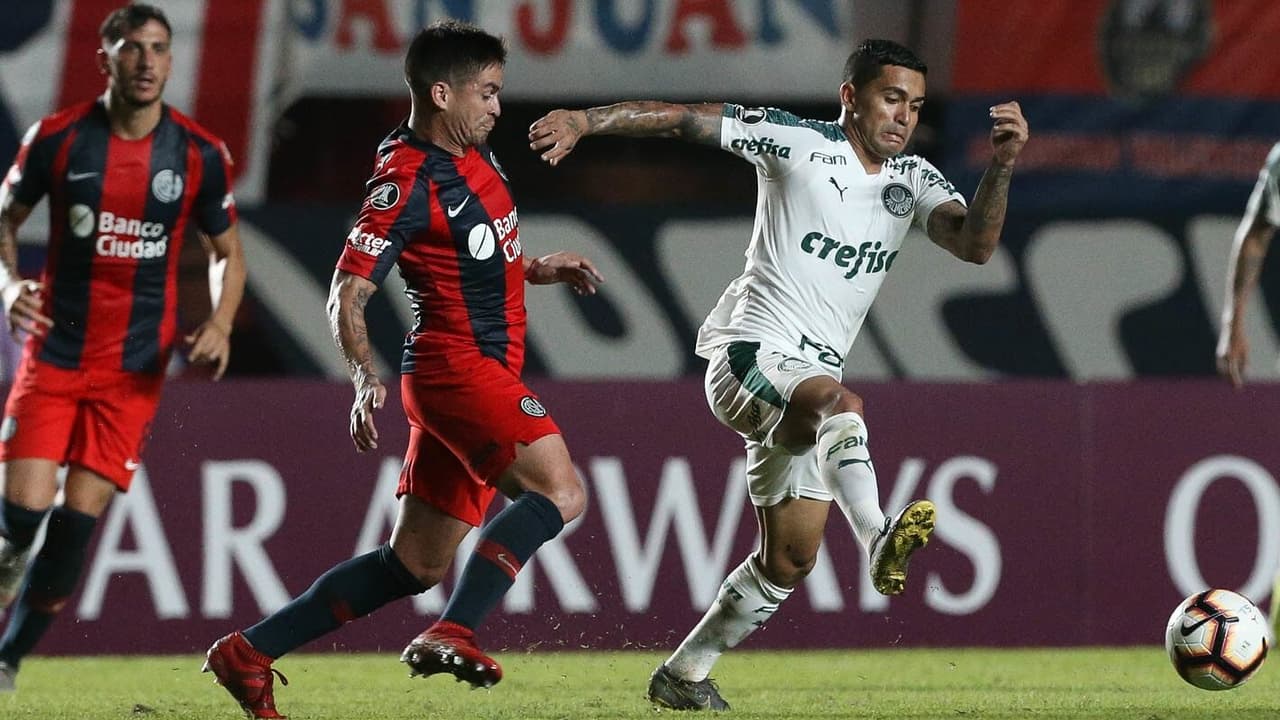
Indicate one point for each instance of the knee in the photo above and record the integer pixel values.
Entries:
(842, 400)
(427, 572)
(787, 568)
(569, 497)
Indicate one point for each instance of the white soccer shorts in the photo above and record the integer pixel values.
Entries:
(748, 388)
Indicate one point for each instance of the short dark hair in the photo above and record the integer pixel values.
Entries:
(864, 63)
(130, 18)
(451, 51)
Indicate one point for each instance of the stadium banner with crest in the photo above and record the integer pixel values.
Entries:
(238, 64)
(1137, 107)
(1099, 506)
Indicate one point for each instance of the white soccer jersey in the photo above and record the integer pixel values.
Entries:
(1268, 186)
(825, 235)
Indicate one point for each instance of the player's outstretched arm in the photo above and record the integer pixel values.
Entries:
(1248, 250)
(211, 342)
(348, 296)
(565, 267)
(22, 298)
(972, 234)
(557, 133)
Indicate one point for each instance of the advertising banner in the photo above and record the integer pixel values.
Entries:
(1136, 106)
(238, 64)
(1104, 504)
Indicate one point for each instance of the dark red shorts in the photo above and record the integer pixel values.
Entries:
(97, 419)
(463, 433)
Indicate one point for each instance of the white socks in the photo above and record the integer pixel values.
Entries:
(846, 469)
(745, 601)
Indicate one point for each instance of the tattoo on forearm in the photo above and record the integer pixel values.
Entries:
(991, 201)
(8, 245)
(351, 334)
(643, 118)
(699, 127)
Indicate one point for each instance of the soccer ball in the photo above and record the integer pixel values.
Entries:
(1216, 639)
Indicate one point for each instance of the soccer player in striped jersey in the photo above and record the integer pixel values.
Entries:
(439, 208)
(1244, 268)
(835, 202)
(126, 176)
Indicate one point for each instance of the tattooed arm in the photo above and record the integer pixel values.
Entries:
(348, 296)
(1244, 267)
(556, 134)
(972, 234)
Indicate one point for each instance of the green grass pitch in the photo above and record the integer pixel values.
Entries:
(891, 684)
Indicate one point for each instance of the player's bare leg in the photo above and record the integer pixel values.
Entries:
(547, 494)
(791, 533)
(821, 411)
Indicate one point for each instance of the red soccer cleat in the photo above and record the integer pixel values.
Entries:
(447, 647)
(245, 673)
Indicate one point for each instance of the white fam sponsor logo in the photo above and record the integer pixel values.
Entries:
(367, 242)
(124, 237)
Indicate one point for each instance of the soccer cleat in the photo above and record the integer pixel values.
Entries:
(245, 673)
(447, 647)
(8, 676)
(891, 551)
(13, 565)
(668, 691)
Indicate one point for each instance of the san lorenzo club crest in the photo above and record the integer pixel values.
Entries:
(531, 407)
(166, 186)
(493, 159)
(898, 199)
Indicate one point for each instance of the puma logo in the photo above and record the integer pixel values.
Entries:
(838, 188)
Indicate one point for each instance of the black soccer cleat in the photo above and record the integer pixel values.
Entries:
(668, 691)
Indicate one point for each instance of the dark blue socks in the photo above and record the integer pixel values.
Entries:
(50, 581)
(18, 524)
(505, 545)
(347, 591)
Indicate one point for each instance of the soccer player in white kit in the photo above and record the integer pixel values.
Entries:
(1244, 268)
(834, 202)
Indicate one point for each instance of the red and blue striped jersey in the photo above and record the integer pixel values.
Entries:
(449, 223)
(118, 212)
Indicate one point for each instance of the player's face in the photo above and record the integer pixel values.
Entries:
(475, 108)
(884, 112)
(137, 65)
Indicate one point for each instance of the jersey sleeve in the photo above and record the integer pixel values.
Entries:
(215, 207)
(768, 138)
(29, 177)
(395, 207)
(932, 190)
